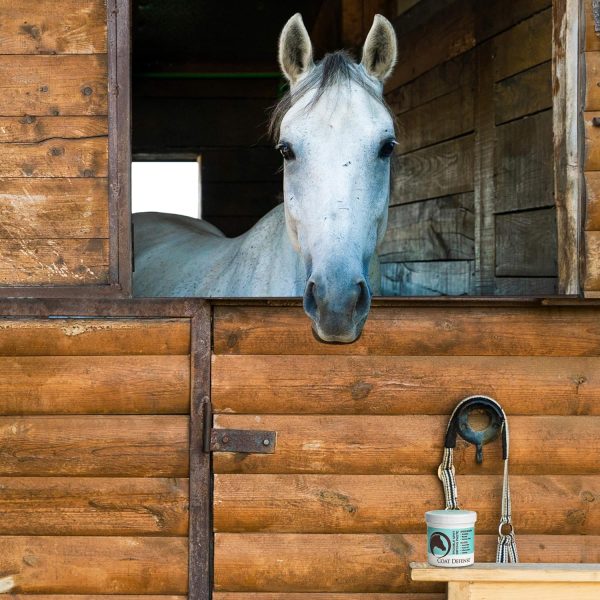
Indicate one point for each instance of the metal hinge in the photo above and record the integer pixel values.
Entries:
(248, 441)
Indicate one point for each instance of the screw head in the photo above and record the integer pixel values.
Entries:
(266, 443)
(225, 439)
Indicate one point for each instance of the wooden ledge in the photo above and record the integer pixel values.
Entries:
(521, 572)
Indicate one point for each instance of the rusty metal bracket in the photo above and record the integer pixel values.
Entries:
(247, 441)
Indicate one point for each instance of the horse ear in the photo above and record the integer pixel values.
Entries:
(380, 49)
(295, 49)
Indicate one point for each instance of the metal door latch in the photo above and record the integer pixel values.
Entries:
(247, 441)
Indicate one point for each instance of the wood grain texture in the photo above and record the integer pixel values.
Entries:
(438, 229)
(32, 130)
(56, 158)
(523, 164)
(592, 261)
(300, 596)
(53, 208)
(136, 446)
(47, 385)
(409, 445)
(441, 119)
(42, 27)
(525, 45)
(33, 262)
(525, 93)
(553, 505)
(417, 331)
(107, 337)
(500, 15)
(432, 172)
(592, 79)
(540, 287)
(54, 85)
(93, 506)
(592, 38)
(427, 278)
(526, 244)
(592, 141)
(592, 212)
(94, 565)
(358, 563)
(402, 385)
(17, 596)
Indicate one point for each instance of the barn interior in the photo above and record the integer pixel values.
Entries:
(472, 208)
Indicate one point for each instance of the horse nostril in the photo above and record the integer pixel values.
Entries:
(310, 302)
(363, 302)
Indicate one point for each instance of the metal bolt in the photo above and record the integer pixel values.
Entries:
(266, 443)
(225, 439)
(87, 91)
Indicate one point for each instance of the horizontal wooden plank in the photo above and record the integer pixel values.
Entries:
(410, 445)
(361, 562)
(500, 15)
(427, 278)
(526, 244)
(592, 38)
(592, 141)
(441, 119)
(592, 212)
(52, 261)
(93, 506)
(94, 565)
(75, 337)
(17, 596)
(442, 79)
(302, 596)
(418, 331)
(402, 384)
(557, 505)
(523, 94)
(32, 130)
(56, 158)
(47, 385)
(523, 46)
(523, 164)
(542, 287)
(53, 208)
(592, 81)
(433, 172)
(54, 85)
(42, 27)
(135, 446)
(592, 261)
(438, 229)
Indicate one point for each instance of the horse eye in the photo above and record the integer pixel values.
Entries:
(286, 151)
(387, 148)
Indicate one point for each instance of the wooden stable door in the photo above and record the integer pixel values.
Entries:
(104, 488)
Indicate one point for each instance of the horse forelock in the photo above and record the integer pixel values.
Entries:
(335, 69)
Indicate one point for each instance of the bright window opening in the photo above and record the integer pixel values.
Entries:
(169, 187)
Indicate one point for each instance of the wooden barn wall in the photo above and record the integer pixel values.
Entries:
(472, 207)
(94, 463)
(591, 281)
(337, 511)
(53, 143)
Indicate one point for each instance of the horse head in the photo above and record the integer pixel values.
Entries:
(336, 136)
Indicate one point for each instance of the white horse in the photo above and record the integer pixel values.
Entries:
(336, 136)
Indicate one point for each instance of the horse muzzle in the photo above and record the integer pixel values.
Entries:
(338, 312)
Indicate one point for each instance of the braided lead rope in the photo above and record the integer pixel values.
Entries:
(446, 474)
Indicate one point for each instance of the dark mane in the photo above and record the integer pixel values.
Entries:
(335, 69)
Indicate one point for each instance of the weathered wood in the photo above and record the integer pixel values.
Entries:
(525, 45)
(592, 261)
(43, 27)
(46, 385)
(526, 244)
(53, 208)
(30, 129)
(136, 446)
(592, 38)
(541, 287)
(436, 171)
(291, 596)
(403, 385)
(51, 261)
(53, 85)
(438, 229)
(499, 15)
(523, 168)
(557, 505)
(94, 565)
(592, 141)
(441, 80)
(427, 278)
(18, 596)
(522, 94)
(417, 331)
(409, 445)
(446, 117)
(592, 78)
(56, 158)
(358, 563)
(93, 506)
(592, 212)
(78, 337)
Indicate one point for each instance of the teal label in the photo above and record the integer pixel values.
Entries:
(447, 542)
